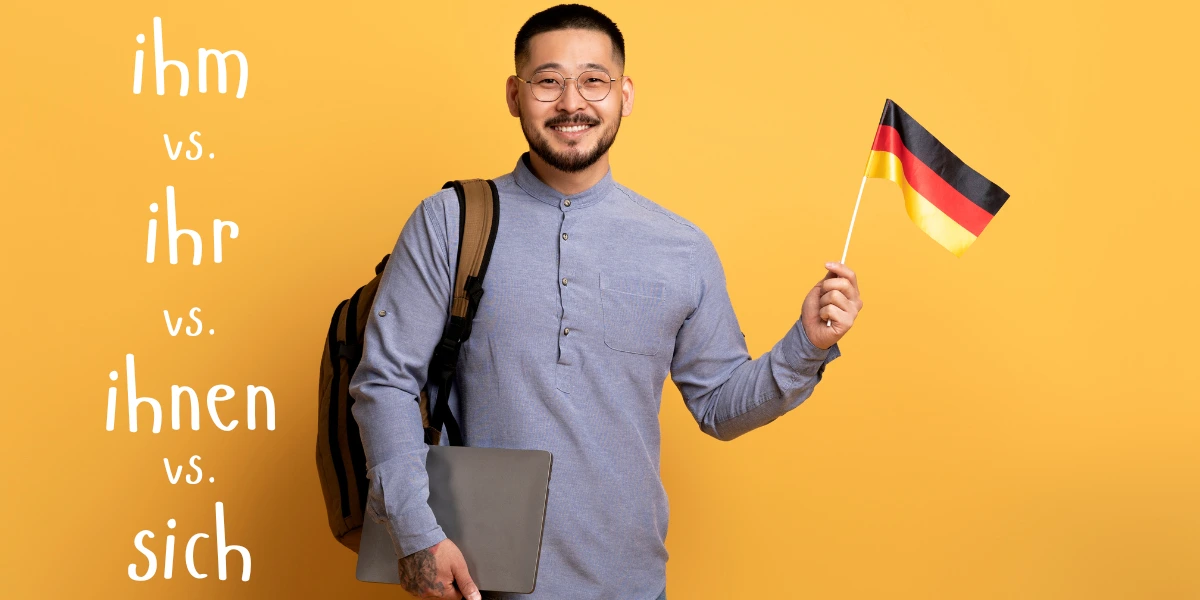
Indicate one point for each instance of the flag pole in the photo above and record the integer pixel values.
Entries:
(829, 323)
(852, 217)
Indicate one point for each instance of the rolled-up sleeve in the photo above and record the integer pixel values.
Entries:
(726, 391)
(405, 324)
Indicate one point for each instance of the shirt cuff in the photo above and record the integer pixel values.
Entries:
(411, 531)
(803, 358)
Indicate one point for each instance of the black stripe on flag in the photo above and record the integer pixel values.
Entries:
(941, 160)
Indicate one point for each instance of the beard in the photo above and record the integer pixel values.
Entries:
(574, 159)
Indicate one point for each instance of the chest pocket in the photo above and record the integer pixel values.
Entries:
(634, 313)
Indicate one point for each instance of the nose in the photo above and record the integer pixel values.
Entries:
(571, 100)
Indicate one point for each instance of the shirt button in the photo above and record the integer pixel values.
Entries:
(567, 331)
(564, 281)
(383, 313)
(564, 236)
(567, 202)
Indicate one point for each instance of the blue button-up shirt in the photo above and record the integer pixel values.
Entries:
(591, 300)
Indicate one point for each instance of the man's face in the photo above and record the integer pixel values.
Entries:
(570, 133)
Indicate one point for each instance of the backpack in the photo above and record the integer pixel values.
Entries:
(341, 461)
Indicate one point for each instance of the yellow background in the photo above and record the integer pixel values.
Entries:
(1018, 423)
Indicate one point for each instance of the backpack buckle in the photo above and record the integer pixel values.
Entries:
(444, 357)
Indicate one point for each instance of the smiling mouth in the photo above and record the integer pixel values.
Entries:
(575, 128)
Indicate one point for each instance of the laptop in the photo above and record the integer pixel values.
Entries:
(491, 502)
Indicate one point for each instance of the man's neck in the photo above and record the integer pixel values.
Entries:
(568, 183)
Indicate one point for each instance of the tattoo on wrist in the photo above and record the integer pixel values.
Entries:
(418, 573)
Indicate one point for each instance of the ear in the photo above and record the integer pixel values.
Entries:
(512, 88)
(626, 96)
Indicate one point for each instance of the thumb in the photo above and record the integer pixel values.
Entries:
(466, 586)
(813, 299)
(811, 303)
(815, 293)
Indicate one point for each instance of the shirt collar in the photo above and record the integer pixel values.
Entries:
(538, 189)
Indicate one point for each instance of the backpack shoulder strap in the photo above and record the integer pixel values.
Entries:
(478, 217)
(478, 220)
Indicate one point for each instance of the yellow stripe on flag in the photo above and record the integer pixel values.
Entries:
(931, 220)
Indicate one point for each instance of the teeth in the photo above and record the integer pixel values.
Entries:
(572, 128)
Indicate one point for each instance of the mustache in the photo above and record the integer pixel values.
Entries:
(572, 120)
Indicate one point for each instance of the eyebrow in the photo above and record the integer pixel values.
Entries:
(585, 66)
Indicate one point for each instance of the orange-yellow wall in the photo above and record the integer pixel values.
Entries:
(1018, 423)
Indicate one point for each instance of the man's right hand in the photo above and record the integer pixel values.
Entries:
(439, 571)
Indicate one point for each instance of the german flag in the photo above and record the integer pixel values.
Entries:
(945, 198)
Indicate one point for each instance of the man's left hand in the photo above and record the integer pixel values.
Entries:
(834, 299)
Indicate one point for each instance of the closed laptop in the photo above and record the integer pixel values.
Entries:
(491, 502)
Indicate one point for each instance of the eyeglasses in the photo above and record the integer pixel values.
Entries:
(548, 86)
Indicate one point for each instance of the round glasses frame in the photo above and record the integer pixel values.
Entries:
(563, 87)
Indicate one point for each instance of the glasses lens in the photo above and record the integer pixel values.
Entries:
(547, 85)
(594, 85)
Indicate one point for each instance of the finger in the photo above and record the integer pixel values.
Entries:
(836, 298)
(837, 283)
(830, 312)
(443, 590)
(463, 580)
(840, 283)
(843, 271)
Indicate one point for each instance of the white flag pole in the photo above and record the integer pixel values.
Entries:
(829, 323)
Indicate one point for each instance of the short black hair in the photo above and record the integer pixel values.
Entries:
(568, 16)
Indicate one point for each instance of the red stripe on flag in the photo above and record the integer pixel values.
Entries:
(930, 185)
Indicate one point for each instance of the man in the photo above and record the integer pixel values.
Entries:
(594, 294)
